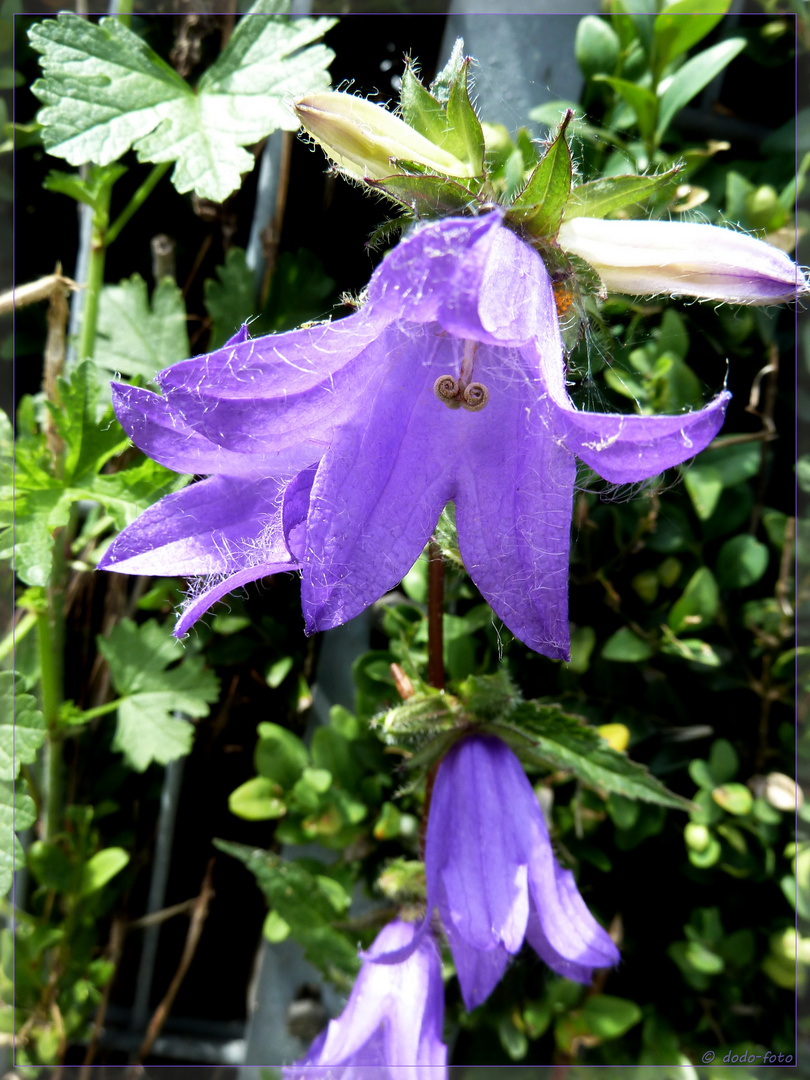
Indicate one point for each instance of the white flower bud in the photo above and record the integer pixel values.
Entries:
(683, 258)
(365, 140)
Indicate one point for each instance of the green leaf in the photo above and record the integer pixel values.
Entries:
(678, 27)
(642, 101)
(126, 494)
(22, 726)
(36, 515)
(101, 868)
(275, 929)
(734, 798)
(84, 189)
(301, 900)
(545, 735)
(734, 463)
(52, 866)
(741, 562)
(698, 604)
(148, 728)
(539, 207)
(705, 486)
(136, 654)
(598, 198)
(627, 647)
(596, 46)
(135, 339)
(280, 755)
(17, 813)
(693, 649)
(278, 671)
(105, 90)
(92, 435)
(609, 1017)
(230, 299)
(300, 290)
(257, 800)
(723, 761)
(703, 959)
(692, 77)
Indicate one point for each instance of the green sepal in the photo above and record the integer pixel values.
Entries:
(451, 124)
(443, 83)
(601, 197)
(426, 196)
(464, 122)
(539, 207)
(423, 112)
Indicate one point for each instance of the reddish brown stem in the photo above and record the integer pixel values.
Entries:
(435, 615)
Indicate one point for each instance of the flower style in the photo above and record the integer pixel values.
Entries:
(391, 1028)
(447, 385)
(685, 259)
(492, 874)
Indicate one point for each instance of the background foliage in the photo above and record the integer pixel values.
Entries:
(682, 594)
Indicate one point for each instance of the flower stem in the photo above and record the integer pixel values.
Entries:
(92, 295)
(435, 615)
(125, 12)
(100, 710)
(50, 661)
(137, 200)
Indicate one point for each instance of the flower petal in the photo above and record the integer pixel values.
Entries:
(684, 258)
(479, 971)
(513, 509)
(380, 488)
(473, 276)
(564, 925)
(393, 1017)
(474, 854)
(160, 433)
(218, 525)
(623, 449)
(202, 597)
(262, 394)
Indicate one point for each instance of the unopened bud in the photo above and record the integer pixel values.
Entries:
(366, 141)
(683, 258)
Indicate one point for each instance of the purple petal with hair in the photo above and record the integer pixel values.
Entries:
(492, 874)
(392, 1023)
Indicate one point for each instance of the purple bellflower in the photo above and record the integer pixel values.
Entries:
(391, 1028)
(333, 449)
(493, 876)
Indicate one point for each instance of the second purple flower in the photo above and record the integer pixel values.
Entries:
(493, 877)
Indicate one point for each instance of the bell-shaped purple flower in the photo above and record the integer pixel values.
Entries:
(493, 876)
(391, 1028)
(447, 386)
